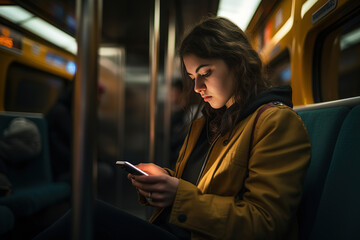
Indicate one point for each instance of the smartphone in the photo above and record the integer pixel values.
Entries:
(131, 168)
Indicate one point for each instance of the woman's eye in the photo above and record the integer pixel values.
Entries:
(208, 73)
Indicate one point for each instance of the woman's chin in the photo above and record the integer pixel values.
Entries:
(216, 106)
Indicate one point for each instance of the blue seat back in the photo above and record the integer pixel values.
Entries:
(323, 126)
(7, 220)
(38, 170)
(338, 215)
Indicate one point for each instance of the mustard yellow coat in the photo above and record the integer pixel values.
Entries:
(250, 189)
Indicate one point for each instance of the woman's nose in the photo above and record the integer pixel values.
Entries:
(199, 84)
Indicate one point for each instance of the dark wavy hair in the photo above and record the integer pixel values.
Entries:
(219, 38)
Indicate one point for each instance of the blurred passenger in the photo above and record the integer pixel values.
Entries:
(242, 165)
(60, 123)
(20, 144)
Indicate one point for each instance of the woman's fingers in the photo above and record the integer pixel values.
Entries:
(159, 190)
(157, 199)
(152, 169)
(150, 185)
(150, 179)
(145, 193)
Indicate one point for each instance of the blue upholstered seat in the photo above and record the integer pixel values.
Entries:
(7, 219)
(338, 215)
(33, 187)
(323, 126)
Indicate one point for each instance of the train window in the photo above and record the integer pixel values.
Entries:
(340, 61)
(31, 90)
(279, 70)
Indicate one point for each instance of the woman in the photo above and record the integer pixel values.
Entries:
(240, 170)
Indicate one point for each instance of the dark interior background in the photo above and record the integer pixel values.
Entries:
(126, 22)
(124, 108)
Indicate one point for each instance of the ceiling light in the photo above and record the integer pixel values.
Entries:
(238, 11)
(26, 20)
(15, 14)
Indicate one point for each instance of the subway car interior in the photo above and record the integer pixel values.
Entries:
(93, 82)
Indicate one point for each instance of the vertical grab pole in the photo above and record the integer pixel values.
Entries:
(85, 117)
(169, 70)
(154, 66)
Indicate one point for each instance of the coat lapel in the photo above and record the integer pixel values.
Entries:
(190, 143)
(222, 147)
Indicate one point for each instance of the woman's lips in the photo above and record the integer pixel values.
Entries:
(206, 98)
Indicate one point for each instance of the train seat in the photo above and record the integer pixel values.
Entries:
(323, 126)
(32, 199)
(7, 220)
(33, 187)
(339, 210)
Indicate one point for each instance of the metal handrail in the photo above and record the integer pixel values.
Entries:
(85, 117)
(350, 102)
(154, 67)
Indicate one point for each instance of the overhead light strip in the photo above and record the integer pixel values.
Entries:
(29, 21)
(15, 14)
(307, 6)
(238, 11)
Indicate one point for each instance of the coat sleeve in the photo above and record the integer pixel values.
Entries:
(277, 164)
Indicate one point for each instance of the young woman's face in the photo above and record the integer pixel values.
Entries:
(213, 80)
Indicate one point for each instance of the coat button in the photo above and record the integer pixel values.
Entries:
(225, 142)
(182, 218)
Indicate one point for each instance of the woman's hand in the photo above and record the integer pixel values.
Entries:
(158, 188)
(152, 169)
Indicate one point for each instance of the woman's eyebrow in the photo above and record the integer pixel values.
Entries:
(202, 65)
